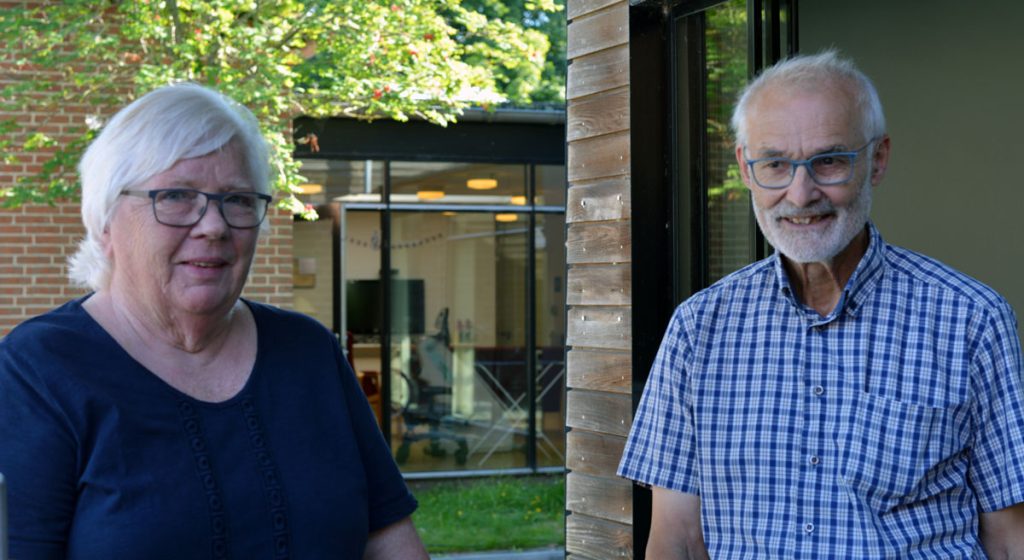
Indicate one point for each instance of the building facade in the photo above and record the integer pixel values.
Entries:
(656, 211)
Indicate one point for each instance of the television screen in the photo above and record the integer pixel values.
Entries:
(363, 306)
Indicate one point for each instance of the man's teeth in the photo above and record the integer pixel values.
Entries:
(802, 221)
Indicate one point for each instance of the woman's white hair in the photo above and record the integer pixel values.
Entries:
(811, 72)
(146, 138)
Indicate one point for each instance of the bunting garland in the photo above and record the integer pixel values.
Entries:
(373, 242)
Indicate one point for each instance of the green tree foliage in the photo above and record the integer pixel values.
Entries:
(398, 59)
(523, 80)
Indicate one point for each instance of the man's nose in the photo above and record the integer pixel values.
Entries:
(803, 191)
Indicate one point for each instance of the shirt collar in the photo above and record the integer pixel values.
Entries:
(860, 285)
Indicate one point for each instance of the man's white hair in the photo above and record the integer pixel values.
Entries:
(146, 138)
(811, 72)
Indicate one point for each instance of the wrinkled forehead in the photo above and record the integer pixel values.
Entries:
(785, 117)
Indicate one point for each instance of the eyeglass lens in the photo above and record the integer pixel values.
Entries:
(185, 207)
(825, 169)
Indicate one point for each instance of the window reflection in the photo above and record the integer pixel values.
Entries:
(327, 180)
(729, 223)
(456, 183)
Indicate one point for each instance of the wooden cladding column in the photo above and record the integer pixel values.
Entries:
(599, 285)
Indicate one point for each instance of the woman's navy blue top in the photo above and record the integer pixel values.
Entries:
(104, 460)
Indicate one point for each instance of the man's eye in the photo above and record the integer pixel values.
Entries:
(773, 164)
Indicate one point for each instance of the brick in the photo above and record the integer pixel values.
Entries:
(34, 259)
(45, 230)
(50, 239)
(34, 301)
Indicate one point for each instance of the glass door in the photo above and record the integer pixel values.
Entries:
(453, 307)
(717, 49)
(458, 363)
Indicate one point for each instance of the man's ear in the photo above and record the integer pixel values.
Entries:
(880, 160)
(744, 168)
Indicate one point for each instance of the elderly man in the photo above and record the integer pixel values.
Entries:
(844, 398)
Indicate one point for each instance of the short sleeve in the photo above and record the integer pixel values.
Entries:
(389, 498)
(997, 454)
(37, 457)
(661, 449)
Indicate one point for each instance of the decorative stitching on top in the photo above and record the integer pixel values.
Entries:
(219, 548)
(272, 486)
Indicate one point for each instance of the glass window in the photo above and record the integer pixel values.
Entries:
(457, 183)
(458, 360)
(730, 228)
(328, 179)
(463, 334)
(549, 315)
(313, 269)
(551, 185)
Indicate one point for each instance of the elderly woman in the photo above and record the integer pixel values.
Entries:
(162, 416)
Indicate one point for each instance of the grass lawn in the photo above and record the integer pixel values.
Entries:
(501, 513)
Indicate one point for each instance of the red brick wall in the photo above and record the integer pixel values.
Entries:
(35, 242)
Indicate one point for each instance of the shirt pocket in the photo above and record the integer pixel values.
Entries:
(895, 454)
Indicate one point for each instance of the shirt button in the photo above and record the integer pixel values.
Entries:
(809, 528)
(819, 391)
(814, 460)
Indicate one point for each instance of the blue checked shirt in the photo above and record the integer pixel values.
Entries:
(879, 431)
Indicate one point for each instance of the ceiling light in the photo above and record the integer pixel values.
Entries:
(506, 217)
(482, 184)
(429, 195)
(310, 188)
(518, 200)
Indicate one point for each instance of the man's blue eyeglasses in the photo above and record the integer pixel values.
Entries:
(831, 168)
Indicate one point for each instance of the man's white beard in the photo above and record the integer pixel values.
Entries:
(811, 247)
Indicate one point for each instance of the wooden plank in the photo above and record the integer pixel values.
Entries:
(577, 8)
(605, 199)
(607, 413)
(600, 285)
(597, 31)
(598, 114)
(590, 537)
(598, 243)
(600, 371)
(608, 498)
(593, 453)
(607, 155)
(600, 71)
(600, 327)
